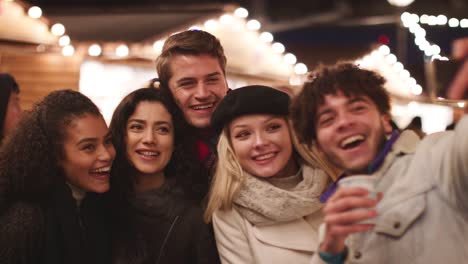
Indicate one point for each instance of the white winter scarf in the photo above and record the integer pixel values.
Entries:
(262, 203)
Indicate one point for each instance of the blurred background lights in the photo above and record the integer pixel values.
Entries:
(453, 22)
(464, 23)
(94, 50)
(391, 58)
(411, 81)
(278, 47)
(441, 20)
(400, 3)
(158, 45)
(68, 51)
(428, 52)
(404, 74)
(375, 53)
(420, 32)
(416, 89)
(226, 19)
(424, 19)
(210, 24)
(432, 21)
(35, 12)
(289, 58)
(295, 80)
(405, 17)
(266, 37)
(57, 29)
(253, 24)
(241, 12)
(435, 49)
(64, 40)
(384, 50)
(122, 50)
(300, 68)
(398, 66)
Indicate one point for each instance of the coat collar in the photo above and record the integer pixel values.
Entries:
(399, 185)
(406, 143)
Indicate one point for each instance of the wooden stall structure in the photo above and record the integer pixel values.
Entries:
(27, 52)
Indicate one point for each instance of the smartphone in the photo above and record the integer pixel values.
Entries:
(444, 73)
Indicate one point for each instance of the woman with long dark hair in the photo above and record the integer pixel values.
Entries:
(154, 186)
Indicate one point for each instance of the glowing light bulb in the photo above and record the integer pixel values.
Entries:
(64, 40)
(122, 50)
(300, 69)
(289, 58)
(68, 51)
(94, 50)
(241, 12)
(278, 47)
(266, 37)
(57, 29)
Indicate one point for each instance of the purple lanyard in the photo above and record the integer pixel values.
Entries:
(373, 166)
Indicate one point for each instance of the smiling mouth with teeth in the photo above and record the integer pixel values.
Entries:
(103, 170)
(202, 107)
(264, 157)
(352, 141)
(149, 153)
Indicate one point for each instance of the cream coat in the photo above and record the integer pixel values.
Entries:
(423, 217)
(240, 242)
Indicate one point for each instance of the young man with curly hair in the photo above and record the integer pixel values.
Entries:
(422, 214)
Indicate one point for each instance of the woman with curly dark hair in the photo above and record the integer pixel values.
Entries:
(52, 171)
(154, 187)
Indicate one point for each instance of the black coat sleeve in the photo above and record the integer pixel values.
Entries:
(205, 251)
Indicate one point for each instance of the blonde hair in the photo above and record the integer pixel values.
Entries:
(229, 175)
(227, 180)
(313, 157)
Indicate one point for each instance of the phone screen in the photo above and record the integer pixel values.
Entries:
(445, 72)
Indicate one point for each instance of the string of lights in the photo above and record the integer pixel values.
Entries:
(236, 20)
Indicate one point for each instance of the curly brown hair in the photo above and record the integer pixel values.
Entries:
(29, 159)
(344, 77)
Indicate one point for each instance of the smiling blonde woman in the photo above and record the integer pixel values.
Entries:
(265, 198)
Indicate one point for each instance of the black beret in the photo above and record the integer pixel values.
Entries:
(252, 99)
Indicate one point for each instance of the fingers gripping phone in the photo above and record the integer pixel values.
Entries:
(443, 73)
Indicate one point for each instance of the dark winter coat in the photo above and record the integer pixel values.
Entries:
(168, 229)
(55, 231)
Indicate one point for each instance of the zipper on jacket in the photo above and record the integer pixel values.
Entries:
(82, 226)
(166, 239)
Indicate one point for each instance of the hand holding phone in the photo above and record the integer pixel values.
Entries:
(458, 88)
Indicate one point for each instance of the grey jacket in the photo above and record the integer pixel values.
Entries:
(423, 217)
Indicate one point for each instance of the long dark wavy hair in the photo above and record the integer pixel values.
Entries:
(29, 159)
(183, 171)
